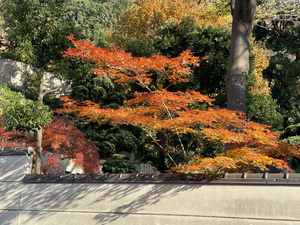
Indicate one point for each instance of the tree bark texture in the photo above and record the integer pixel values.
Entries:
(38, 150)
(39, 136)
(243, 15)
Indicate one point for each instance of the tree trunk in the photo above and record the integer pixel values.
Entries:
(39, 135)
(38, 150)
(243, 15)
(161, 153)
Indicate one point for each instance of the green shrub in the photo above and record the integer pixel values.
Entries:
(119, 164)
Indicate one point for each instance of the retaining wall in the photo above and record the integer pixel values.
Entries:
(143, 199)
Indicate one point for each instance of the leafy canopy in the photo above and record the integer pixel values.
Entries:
(20, 113)
(145, 17)
(61, 137)
(156, 109)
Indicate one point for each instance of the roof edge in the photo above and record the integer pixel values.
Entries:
(16, 151)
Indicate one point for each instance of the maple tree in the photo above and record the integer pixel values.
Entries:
(159, 110)
(64, 140)
(15, 138)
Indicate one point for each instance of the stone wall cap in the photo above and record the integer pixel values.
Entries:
(16, 151)
(166, 178)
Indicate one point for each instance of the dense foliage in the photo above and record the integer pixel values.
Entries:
(284, 72)
(157, 110)
(145, 101)
(20, 113)
(145, 18)
(119, 164)
(209, 77)
(64, 140)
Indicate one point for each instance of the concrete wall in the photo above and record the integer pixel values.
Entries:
(11, 74)
(141, 203)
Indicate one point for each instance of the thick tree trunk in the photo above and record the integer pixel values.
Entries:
(243, 15)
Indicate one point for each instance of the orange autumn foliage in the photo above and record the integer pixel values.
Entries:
(158, 109)
(261, 62)
(11, 139)
(146, 17)
(63, 139)
(14, 138)
(240, 159)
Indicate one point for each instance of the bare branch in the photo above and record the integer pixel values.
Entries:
(283, 10)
